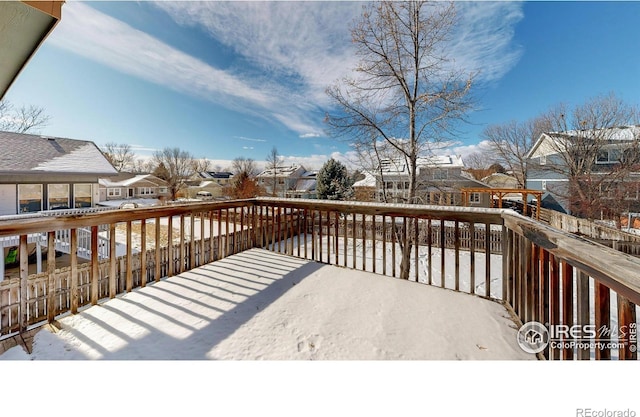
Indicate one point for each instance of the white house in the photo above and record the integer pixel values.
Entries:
(283, 178)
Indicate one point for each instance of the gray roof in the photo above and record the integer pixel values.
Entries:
(24, 153)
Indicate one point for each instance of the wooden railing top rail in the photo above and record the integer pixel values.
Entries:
(466, 214)
(75, 221)
(616, 270)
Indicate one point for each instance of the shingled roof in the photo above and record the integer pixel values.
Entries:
(23, 153)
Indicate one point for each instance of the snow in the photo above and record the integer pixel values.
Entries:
(263, 305)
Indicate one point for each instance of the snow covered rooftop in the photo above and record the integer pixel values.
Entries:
(399, 166)
(263, 305)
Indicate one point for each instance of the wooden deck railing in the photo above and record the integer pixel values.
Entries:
(540, 273)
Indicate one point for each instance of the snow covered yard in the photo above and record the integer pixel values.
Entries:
(263, 305)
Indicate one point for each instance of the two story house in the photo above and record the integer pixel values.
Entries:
(280, 180)
(439, 181)
(576, 168)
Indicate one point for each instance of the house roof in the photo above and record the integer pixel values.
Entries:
(214, 175)
(399, 166)
(284, 171)
(127, 179)
(24, 25)
(368, 181)
(23, 153)
(612, 134)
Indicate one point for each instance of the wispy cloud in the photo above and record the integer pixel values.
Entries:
(483, 41)
(96, 36)
(288, 52)
(249, 139)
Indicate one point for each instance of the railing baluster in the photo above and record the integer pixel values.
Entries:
(393, 246)
(567, 303)
(112, 261)
(602, 319)
(442, 254)
(95, 272)
(416, 241)
(158, 261)
(24, 283)
(384, 245)
(364, 242)
(306, 230)
(313, 235)
(170, 247)
(73, 242)
(201, 258)
(429, 252)
(51, 276)
(143, 253)
(354, 240)
(373, 243)
(336, 241)
(472, 258)
(583, 309)
(554, 299)
(129, 260)
(487, 253)
(456, 250)
(345, 240)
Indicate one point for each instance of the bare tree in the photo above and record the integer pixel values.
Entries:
(201, 165)
(119, 155)
(246, 165)
(243, 184)
(511, 141)
(142, 166)
(24, 119)
(596, 147)
(274, 163)
(406, 91)
(178, 165)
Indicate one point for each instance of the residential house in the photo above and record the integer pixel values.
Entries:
(548, 171)
(365, 189)
(305, 186)
(284, 179)
(47, 173)
(439, 181)
(210, 181)
(139, 189)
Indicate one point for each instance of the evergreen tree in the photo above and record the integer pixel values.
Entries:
(333, 181)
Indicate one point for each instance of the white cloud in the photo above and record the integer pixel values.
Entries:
(96, 36)
(297, 48)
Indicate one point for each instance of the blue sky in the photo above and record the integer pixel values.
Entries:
(229, 79)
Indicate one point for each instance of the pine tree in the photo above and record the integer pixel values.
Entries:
(333, 182)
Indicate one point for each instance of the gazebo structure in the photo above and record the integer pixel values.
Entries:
(499, 194)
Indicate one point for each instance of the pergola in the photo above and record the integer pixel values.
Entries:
(500, 193)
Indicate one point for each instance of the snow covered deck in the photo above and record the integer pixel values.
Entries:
(262, 305)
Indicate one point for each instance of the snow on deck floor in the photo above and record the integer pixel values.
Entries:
(263, 305)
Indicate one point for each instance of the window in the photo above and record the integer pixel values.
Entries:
(82, 195)
(608, 156)
(163, 190)
(543, 160)
(29, 198)
(58, 196)
(388, 185)
(544, 185)
(474, 198)
(440, 174)
(114, 192)
(145, 191)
